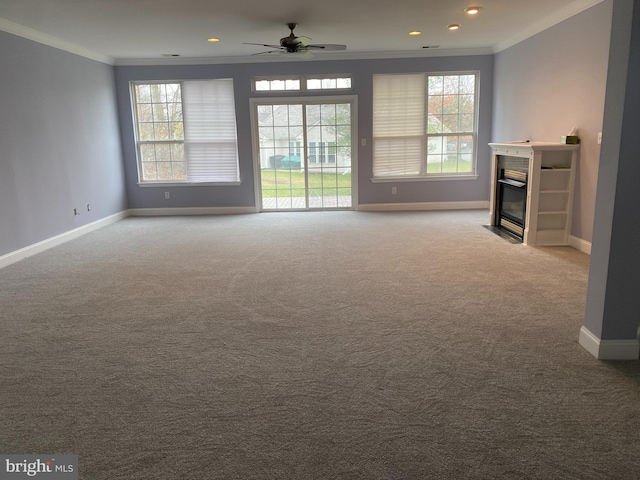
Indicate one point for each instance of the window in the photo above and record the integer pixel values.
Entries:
(186, 132)
(302, 83)
(328, 83)
(295, 148)
(424, 125)
(322, 152)
(277, 85)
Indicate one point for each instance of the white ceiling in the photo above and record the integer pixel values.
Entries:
(141, 31)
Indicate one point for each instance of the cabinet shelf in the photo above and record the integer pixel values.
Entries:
(550, 201)
(555, 179)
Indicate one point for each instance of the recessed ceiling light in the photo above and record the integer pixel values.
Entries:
(472, 10)
(414, 33)
(213, 40)
(170, 54)
(453, 26)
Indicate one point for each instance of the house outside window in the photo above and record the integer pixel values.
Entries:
(186, 132)
(322, 152)
(295, 148)
(424, 125)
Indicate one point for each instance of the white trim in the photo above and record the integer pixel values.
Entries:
(393, 207)
(161, 212)
(559, 16)
(609, 349)
(51, 41)
(426, 178)
(40, 247)
(189, 184)
(580, 244)
(453, 52)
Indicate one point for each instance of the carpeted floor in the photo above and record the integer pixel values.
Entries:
(330, 345)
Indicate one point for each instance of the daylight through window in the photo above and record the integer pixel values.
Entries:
(329, 83)
(186, 132)
(424, 125)
(302, 83)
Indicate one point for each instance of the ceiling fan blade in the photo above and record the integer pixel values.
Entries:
(297, 46)
(262, 45)
(303, 40)
(327, 46)
(268, 51)
(302, 53)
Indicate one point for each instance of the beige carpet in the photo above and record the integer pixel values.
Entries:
(329, 345)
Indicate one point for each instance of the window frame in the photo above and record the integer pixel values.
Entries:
(136, 130)
(424, 176)
(303, 81)
(139, 143)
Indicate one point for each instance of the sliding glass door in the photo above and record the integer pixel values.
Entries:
(305, 155)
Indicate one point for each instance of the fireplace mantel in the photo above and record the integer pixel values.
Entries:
(551, 169)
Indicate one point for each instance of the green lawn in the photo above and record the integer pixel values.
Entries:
(449, 166)
(284, 183)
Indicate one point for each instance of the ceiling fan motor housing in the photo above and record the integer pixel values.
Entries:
(291, 42)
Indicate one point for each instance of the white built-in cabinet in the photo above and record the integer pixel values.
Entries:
(550, 184)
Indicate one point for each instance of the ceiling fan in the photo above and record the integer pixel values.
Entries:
(301, 46)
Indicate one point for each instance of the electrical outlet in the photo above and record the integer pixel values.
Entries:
(599, 138)
(394, 190)
(166, 195)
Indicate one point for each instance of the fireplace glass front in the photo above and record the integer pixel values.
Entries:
(512, 201)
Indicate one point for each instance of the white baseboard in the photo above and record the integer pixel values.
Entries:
(579, 244)
(393, 207)
(161, 212)
(609, 349)
(16, 256)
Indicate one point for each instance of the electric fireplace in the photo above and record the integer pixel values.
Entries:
(512, 201)
(531, 193)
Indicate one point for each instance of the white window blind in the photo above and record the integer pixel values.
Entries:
(424, 124)
(399, 124)
(210, 137)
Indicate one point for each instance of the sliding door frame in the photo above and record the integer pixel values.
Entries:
(304, 101)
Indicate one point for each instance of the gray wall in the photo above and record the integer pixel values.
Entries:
(362, 72)
(552, 82)
(59, 143)
(613, 303)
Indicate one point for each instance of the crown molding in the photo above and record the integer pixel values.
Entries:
(573, 9)
(560, 16)
(51, 41)
(278, 58)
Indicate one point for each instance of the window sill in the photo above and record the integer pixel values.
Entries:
(433, 178)
(187, 184)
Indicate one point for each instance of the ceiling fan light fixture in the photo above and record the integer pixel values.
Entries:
(453, 27)
(472, 10)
